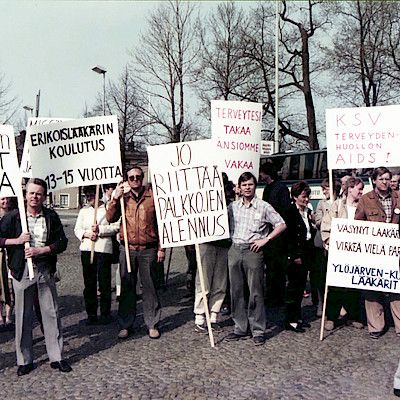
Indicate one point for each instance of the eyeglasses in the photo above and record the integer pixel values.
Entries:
(135, 178)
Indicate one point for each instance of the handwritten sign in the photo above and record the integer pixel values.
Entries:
(236, 128)
(364, 255)
(26, 165)
(188, 193)
(267, 147)
(73, 153)
(363, 137)
(10, 178)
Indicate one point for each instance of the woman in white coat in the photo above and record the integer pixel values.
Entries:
(99, 271)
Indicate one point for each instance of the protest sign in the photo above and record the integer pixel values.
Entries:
(236, 128)
(26, 165)
(364, 255)
(76, 153)
(188, 193)
(10, 183)
(363, 137)
(267, 147)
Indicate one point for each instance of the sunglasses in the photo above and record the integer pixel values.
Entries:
(135, 178)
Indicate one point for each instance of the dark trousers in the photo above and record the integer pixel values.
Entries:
(318, 275)
(190, 252)
(143, 261)
(350, 299)
(99, 271)
(275, 257)
(297, 278)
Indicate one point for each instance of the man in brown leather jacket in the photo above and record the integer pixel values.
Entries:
(380, 205)
(144, 252)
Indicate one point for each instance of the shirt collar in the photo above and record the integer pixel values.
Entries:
(35, 216)
(383, 197)
(252, 203)
(304, 212)
(141, 194)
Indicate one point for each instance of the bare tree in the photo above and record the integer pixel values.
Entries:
(299, 67)
(392, 32)
(162, 66)
(121, 100)
(365, 52)
(9, 105)
(297, 64)
(221, 71)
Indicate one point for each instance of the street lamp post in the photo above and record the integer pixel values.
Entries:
(102, 71)
(28, 108)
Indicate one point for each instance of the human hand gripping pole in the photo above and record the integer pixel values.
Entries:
(118, 194)
(24, 227)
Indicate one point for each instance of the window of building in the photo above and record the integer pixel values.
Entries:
(64, 200)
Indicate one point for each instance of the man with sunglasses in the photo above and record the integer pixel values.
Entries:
(144, 252)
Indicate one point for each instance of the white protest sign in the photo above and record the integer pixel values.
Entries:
(188, 193)
(236, 128)
(363, 137)
(267, 147)
(364, 255)
(10, 183)
(26, 165)
(74, 153)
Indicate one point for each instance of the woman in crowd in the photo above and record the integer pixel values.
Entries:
(300, 235)
(318, 273)
(100, 234)
(349, 299)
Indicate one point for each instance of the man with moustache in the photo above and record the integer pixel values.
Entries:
(144, 252)
(380, 205)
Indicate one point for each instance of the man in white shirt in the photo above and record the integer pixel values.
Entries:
(249, 220)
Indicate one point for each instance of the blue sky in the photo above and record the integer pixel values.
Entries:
(52, 46)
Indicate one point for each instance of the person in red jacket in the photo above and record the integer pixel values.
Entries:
(144, 252)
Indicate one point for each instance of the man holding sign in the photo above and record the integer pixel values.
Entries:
(249, 220)
(47, 240)
(144, 252)
(380, 205)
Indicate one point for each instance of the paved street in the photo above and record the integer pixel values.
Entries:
(182, 365)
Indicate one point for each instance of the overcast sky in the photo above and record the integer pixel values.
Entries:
(53, 45)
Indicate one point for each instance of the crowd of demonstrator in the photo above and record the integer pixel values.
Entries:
(276, 244)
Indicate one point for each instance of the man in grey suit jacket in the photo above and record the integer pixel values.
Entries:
(47, 239)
